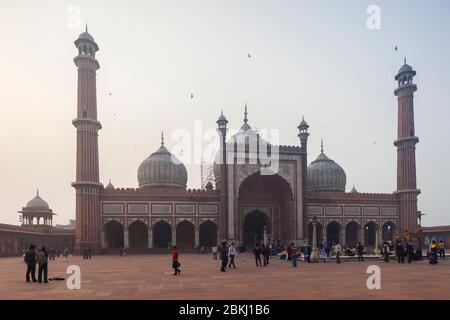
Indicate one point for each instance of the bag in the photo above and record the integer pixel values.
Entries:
(178, 264)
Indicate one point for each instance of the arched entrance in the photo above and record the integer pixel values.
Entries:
(351, 234)
(274, 194)
(185, 235)
(333, 232)
(254, 224)
(138, 234)
(114, 234)
(370, 230)
(319, 231)
(388, 232)
(208, 234)
(162, 235)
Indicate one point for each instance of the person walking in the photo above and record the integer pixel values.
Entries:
(175, 263)
(214, 252)
(410, 251)
(337, 250)
(89, 253)
(66, 254)
(400, 252)
(441, 249)
(257, 254)
(294, 255)
(386, 252)
(360, 250)
(232, 253)
(30, 260)
(267, 254)
(42, 260)
(223, 256)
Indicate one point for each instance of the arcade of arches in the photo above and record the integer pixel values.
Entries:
(353, 233)
(160, 236)
(265, 203)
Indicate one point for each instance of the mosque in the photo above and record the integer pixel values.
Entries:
(245, 203)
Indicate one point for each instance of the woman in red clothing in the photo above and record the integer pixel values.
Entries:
(175, 263)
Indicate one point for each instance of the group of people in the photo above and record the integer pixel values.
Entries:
(87, 253)
(39, 257)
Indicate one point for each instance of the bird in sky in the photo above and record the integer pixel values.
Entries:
(192, 96)
(396, 48)
(249, 55)
(110, 94)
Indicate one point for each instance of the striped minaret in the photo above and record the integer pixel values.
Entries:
(407, 191)
(87, 186)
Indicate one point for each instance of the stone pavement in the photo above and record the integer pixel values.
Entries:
(150, 277)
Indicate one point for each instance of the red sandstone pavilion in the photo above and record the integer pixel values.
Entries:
(243, 206)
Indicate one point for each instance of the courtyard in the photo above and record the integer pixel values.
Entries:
(150, 277)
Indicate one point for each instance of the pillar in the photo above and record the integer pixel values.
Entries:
(126, 239)
(197, 238)
(174, 236)
(361, 235)
(104, 244)
(150, 238)
(342, 235)
(314, 251)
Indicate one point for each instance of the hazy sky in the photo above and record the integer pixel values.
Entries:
(316, 58)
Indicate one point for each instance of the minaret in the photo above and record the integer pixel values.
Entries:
(223, 218)
(303, 135)
(406, 150)
(87, 186)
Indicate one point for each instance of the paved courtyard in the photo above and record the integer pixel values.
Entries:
(150, 277)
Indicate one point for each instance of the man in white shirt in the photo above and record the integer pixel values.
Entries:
(232, 253)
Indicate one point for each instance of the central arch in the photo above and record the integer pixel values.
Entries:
(254, 224)
(274, 194)
(138, 233)
(185, 235)
(114, 234)
(162, 235)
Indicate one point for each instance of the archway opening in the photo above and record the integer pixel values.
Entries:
(351, 234)
(274, 194)
(388, 232)
(319, 231)
(185, 235)
(208, 234)
(254, 225)
(333, 232)
(138, 233)
(114, 234)
(162, 235)
(370, 230)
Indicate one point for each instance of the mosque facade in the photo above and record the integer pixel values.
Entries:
(247, 201)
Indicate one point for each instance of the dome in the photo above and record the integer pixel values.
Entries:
(405, 68)
(326, 175)
(37, 203)
(162, 168)
(86, 36)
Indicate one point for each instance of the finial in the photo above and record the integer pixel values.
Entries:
(221, 112)
(404, 59)
(321, 145)
(86, 27)
(303, 117)
(245, 114)
(162, 138)
(109, 180)
(37, 192)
